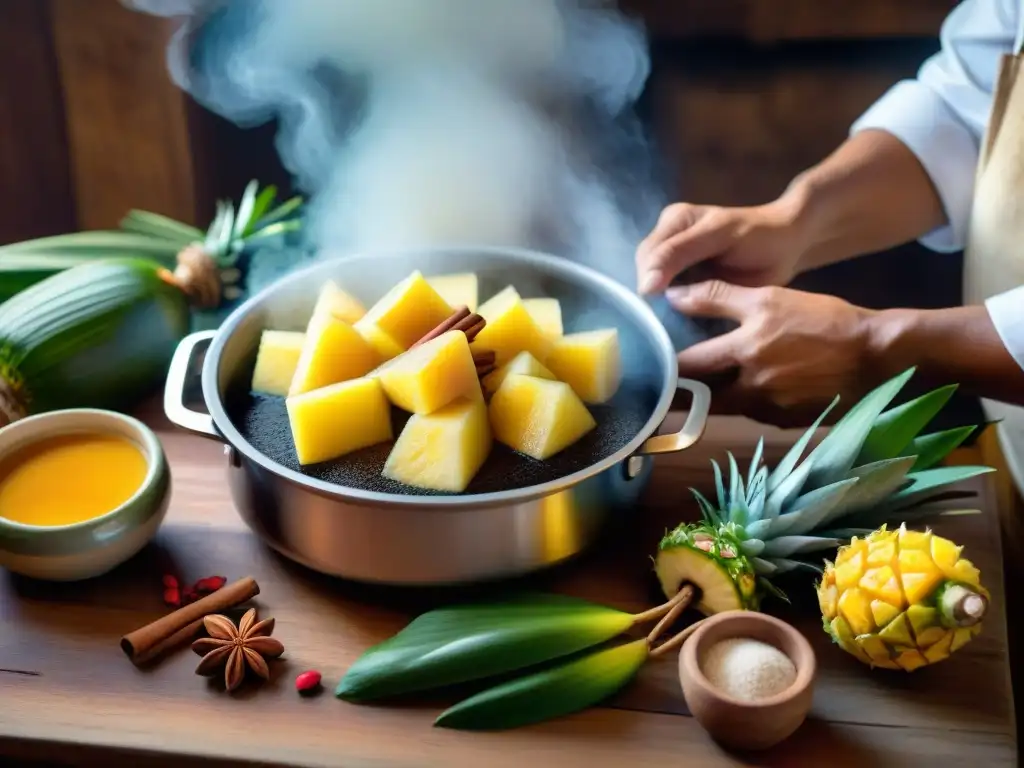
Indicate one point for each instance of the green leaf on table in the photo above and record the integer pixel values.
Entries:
(471, 642)
(894, 430)
(246, 206)
(160, 226)
(98, 244)
(548, 693)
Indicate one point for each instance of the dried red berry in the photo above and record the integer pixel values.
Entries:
(172, 596)
(210, 584)
(308, 682)
(190, 596)
(170, 581)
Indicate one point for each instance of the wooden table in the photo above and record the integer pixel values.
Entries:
(67, 692)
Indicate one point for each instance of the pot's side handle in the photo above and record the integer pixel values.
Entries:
(696, 421)
(174, 390)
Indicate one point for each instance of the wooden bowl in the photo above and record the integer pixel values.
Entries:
(745, 725)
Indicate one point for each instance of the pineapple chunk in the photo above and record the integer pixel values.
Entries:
(930, 636)
(409, 311)
(848, 572)
(882, 583)
(921, 617)
(510, 329)
(917, 561)
(538, 417)
(945, 554)
(897, 632)
(547, 314)
(941, 649)
(523, 363)
(856, 609)
(432, 375)
(590, 363)
(276, 360)
(442, 451)
(961, 637)
(385, 346)
(966, 572)
(914, 539)
(911, 660)
(334, 301)
(918, 586)
(840, 630)
(458, 290)
(882, 553)
(827, 597)
(332, 421)
(875, 648)
(883, 612)
(333, 351)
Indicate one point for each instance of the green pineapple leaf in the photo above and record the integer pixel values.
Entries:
(736, 489)
(784, 546)
(835, 455)
(809, 510)
(894, 430)
(932, 448)
(875, 483)
(472, 642)
(755, 464)
(785, 468)
(246, 207)
(922, 487)
(707, 509)
(548, 693)
(161, 227)
(719, 486)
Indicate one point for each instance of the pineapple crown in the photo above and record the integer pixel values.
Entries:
(873, 467)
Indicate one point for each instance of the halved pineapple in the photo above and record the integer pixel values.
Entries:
(523, 363)
(589, 362)
(444, 450)
(458, 290)
(710, 560)
(538, 417)
(409, 311)
(336, 420)
(432, 375)
(547, 314)
(276, 360)
(332, 351)
(510, 329)
(334, 301)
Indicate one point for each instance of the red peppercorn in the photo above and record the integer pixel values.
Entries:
(308, 682)
(170, 581)
(190, 596)
(210, 584)
(172, 596)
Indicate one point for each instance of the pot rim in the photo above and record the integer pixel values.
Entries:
(543, 261)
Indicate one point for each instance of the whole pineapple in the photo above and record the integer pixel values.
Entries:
(901, 599)
(873, 467)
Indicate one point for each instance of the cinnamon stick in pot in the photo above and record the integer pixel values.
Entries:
(148, 642)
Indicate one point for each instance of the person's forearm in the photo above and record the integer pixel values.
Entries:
(870, 194)
(958, 345)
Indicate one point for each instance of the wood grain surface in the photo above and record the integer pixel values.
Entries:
(70, 695)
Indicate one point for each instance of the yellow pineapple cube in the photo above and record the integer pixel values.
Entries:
(876, 650)
(961, 637)
(385, 346)
(848, 571)
(510, 329)
(547, 314)
(432, 375)
(966, 572)
(844, 636)
(914, 539)
(940, 649)
(918, 586)
(911, 660)
(883, 612)
(897, 632)
(334, 301)
(333, 351)
(538, 417)
(855, 606)
(589, 362)
(921, 617)
(336, 420)
(444, 450)
(827, 596)
(409, 311)
(276, 360)
(458, 290)
(881, 583)
(523, 363)
(930, 636)
(882, 552)
(945, 554)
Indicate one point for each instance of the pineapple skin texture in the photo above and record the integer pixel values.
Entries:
(442, 451)
(880, 599)
(538, 417)
(460, 289)
(523, 363)
(333, 351)
(334, 421)
(510, 329)
(431, 376)
(590, 363)
(547, 314)
(722, 552)
(276, 360)
(409, 311)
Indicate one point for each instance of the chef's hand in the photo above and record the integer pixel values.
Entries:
(759, 245)
(792, 353)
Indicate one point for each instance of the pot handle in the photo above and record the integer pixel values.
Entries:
(696, 421)
(174, 390)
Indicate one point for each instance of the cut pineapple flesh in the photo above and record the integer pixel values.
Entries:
(334, 301)
(409, 311)
(589, 362)
(523, 363)
(547, 314)
(442, 451)
(538, 417)
(458, 290)
(333, 351)
(385, 346)
(510, 329)
(276, 360)
(432, 375)
(334, 421)
(896, 599)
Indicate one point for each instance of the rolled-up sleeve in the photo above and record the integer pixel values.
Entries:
(1007, 313)
(941, 114)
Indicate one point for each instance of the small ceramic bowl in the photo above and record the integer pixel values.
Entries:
(90, 548)
(744, 725)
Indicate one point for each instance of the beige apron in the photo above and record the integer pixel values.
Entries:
(994, 256)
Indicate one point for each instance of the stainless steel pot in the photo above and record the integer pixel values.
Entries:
(413, 539)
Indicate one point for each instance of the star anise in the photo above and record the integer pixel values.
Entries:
(234, 648)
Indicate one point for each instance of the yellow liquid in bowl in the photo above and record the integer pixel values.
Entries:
(68, 479)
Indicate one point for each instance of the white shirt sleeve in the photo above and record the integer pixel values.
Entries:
(941, 115)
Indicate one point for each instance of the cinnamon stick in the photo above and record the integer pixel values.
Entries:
(483, 371)
(148, 642)
(484, 357)
(471, 326)
(460, 314)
